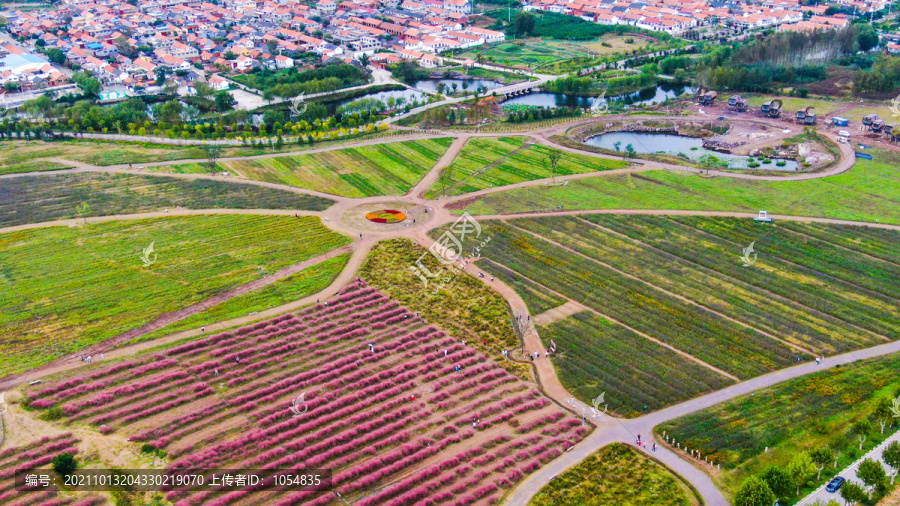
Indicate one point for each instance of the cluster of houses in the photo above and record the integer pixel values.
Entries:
(678, 16)
(25, 71)
(128, 45)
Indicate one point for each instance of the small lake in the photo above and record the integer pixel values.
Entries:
(407, 95)
(655, 95)
(430, 85)
(649, 143)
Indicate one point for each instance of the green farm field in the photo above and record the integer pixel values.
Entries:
(303, 284)
(636, 374)
(499, 161)
(617, 474)
(66, 288)
(535, 54)
(36, 199)
(808, 413)
(30, 156)
(644, 308)
(869, 191)
(367, 171)
(814, 290)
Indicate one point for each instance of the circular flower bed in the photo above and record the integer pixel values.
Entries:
(386, 216)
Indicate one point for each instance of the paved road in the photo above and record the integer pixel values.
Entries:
(849, 473)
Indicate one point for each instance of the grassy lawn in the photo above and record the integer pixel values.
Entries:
(869, 191)
(617, 45)
(464, 306)
(65, 288)
(637, 375)
(808, 413)
(499, 161)
(535, 54)
(367, 171)
(617, 474)
(304, 283)
(35, 199)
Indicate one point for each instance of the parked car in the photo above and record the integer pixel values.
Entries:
(835, 483)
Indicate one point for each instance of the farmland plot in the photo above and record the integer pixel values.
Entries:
(785, 318)
(36, 456)
(395, 425)
(615, 472)
(781, 268)
(365, 171)
(63, 289)
(55, 197)
(636, 374)
(724, 344)
(807, 413)
(499, 161)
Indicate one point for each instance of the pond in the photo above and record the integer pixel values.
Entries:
(431, 85)
(655, 95)
(648, 143)
(407, 95)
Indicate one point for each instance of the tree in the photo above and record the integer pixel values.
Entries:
(821, 458)
(64, 463)
(213, 152)
(710, 162)
(553, 158)
(88, 84)
(754, 492)
(883, 412)
(800, 469)
(524, 24)
(364, 60)
(867, 37)
(778, 480)
(871, 473)
(629, 151)
(83, 210)
(861, 429)
(891, 457)
(223, 101)
(853, 493)
(56, 55)
(444, 178)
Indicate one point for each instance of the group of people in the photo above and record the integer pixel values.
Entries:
(481, 275)
(87, 358)
(642, 444)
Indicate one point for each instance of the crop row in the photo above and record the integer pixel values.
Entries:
(782, 317)
(715, 340)
(782, 276)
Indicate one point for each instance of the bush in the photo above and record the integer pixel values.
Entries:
(64, 463)
(54, 413)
